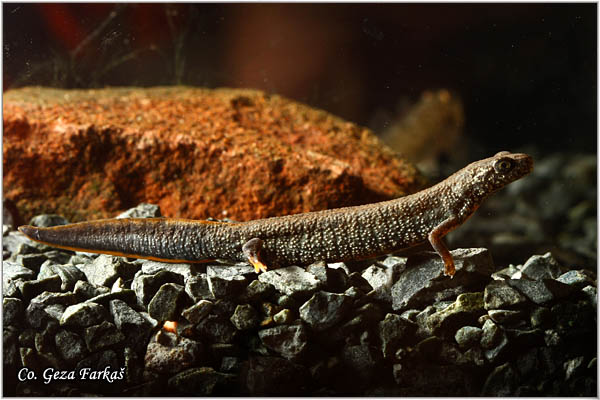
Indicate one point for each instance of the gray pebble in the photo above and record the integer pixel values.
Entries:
(228, 281)
(30, 261)
(105, 269)
(498, 294)
(577, 278)
(36, 314)
(468, 336)
(48, 220)
(184, 270)
(126, 295)
(146, 286)
(293, 281)
(167, 302)
(83, 315)
(13, 270)
(12, 309)
(217, 329)
(169, 354)
(47, 298)
(245, 317)
(505, 316)
(70, 346)
(195, 313)
(143, 210)
(395, 331)
(58, 256)
(542, 291)
(541, 267)
(323, 310)
(285, 316)
(30, 289)
(200, 381)
(69, 274)
(592, 295)
(85, 290)
(256, 291)
(197, 288)
(502, 381)
(287, 340)
(103, 335)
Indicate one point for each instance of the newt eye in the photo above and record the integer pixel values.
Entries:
(502, 166)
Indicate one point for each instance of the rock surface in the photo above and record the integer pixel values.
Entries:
(185, 148)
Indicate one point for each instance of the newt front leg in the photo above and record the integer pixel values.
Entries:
(251, 250)
(435, 238)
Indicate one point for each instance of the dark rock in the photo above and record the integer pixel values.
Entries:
(541, 267)
(58, 256)
(135, 327)
(285, 316)
(12, 310)
(168, 354)
(47, 298)
(30, 289)
(36, 314)
(356, 280)
(505, 316)
(100, 336)
(245, 317)
(48, 220)
(195, 313)
(433, 380)
(10, 349)
(525, 338)
(577, 278)
(362, 360)
(323, 310)
(12, 271)
(146, 286)
(543, 291)
(69, 274)
(274, 376)
(196, 287)
(70, 346)
(468, 336)
(216, 329)
(167, 302)
(421, 319)
(591, 294)
(380, 279)
(498, 294)
(201, 381)
(464, 311)
(289, 341)
(85, 290)
(230, 364)
(256, 291)
(288, 301)
(83, 315)
(184, 270)
(491, 335)
(552, 338)
(540, 317)
(105, 269)
(10, 287)
(424, 280)
(395, 331)
(31, 261)
(292, 281)
(501, 382)
(126, 295)
(228, 281)
(143, 210)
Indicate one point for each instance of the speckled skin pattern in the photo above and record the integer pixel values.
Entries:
(331, 235)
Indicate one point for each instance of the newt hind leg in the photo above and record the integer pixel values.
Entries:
(251, 250)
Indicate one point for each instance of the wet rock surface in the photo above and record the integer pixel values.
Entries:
(397, 327)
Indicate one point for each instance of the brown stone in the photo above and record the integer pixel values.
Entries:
(195, 152)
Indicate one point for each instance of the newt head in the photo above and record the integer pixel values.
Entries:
(491, 174)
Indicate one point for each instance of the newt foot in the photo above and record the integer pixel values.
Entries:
(252, 250)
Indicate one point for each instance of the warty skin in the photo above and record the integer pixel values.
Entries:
(334, 235)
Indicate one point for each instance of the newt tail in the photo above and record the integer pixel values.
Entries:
(331, 235)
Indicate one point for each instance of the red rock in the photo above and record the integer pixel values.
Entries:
(195, 152)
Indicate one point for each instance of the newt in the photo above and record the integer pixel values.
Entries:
(334, 235)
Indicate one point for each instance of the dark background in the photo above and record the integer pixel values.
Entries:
(525, 72)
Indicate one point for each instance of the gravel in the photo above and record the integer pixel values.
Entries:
(396, 328)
